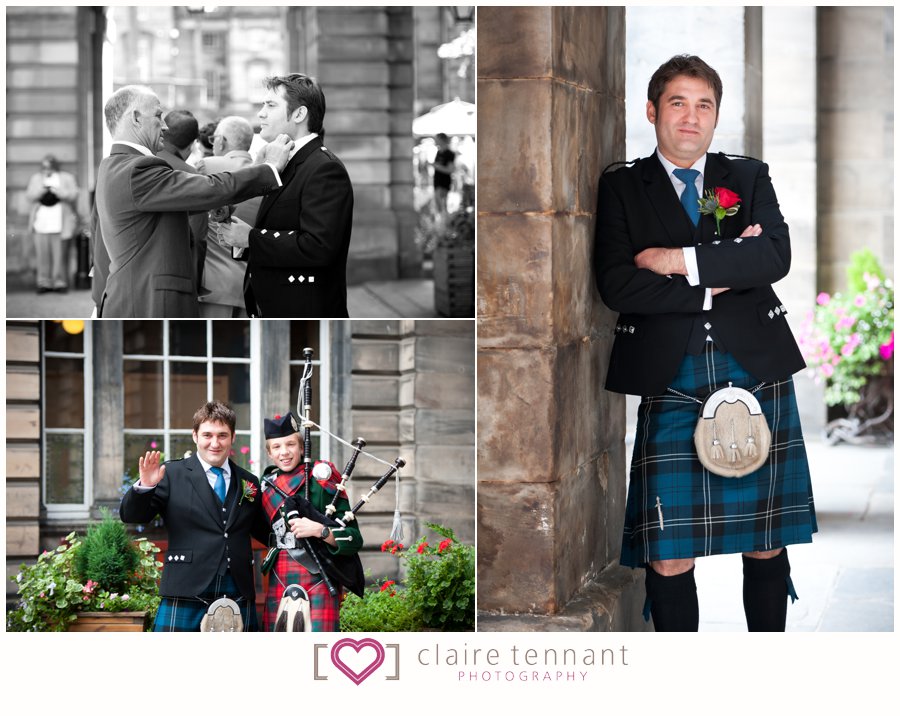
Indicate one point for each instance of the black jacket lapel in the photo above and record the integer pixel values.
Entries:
(200, 483)
(715, 175)
(664, 200)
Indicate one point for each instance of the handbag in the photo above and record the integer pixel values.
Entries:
(732, 437)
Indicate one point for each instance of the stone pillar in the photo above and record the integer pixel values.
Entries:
(855, 138)
(23, 446)
(551, 485)
(789, 141)
(109, 415)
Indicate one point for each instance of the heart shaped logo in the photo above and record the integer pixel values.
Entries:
(358, 675)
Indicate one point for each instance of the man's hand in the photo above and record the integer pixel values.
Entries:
(150, 470)
(752, 230)
(276, 152)
(235, 233)
(665, 262)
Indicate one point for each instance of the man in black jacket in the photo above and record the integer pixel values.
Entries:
(697, 311)
(211, 507)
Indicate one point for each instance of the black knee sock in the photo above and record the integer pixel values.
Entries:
(766, 584)
(673, 601)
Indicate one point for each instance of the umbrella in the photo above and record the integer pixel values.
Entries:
(453, 118)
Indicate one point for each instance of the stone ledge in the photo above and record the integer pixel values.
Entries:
(611, 603)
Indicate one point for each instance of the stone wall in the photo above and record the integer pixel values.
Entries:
(551, 483)
(23, 447)
(413, 396)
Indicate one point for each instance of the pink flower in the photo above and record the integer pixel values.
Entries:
(872, 282)
(886, 350)
(823, 299)
(827, 370)
(859, 301)
(844, 322)
(154, 444)
(245, 450)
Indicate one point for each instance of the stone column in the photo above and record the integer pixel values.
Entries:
(109, 415)
(551, 483)
(855, 138)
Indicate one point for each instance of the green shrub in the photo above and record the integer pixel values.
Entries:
(107, 555)
(382, 607)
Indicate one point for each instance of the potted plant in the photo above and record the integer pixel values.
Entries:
(103, 582)
(848, 343)
(454, 266)
(438, 592)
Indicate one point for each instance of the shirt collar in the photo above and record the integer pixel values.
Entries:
(226, 471)
(140, 147)
(302, 142)
(699, 165)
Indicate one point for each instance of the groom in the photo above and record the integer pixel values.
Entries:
(301, 236)
(697, 312)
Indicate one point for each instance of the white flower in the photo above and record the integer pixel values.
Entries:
(19, 578)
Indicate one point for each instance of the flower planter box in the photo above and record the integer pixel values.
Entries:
(109, 621)
(454, 281)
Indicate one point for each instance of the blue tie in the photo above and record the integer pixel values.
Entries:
(689, 197)
(220, 482)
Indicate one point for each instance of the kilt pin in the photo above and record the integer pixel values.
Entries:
(664, 338)
(324, 609)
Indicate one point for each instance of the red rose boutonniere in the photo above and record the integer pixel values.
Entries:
(720, 202)
(248, 491)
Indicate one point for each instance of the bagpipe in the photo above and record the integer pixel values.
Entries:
(344, 570)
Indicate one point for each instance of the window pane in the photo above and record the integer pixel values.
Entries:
(240, 453)
(135, 447)
(187, 338)
(143, 382)
(57, 339)
(291, 400)
(65, 469)
(231, 383)
(187, 393)
(304, 334)
(142, 338)
(64, 386)
(231, 339)
(181, 444)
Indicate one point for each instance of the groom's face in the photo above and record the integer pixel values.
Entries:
(685, 120)
(273, 116)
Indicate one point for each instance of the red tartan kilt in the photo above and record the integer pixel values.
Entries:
(325, 610)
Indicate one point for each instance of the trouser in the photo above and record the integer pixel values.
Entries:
(51, 271)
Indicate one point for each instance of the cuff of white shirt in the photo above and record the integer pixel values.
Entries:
(690, 262)
(138, 487)
(707, 300)
(277, 176)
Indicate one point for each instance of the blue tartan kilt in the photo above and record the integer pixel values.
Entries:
(677, 509)
(186, 613)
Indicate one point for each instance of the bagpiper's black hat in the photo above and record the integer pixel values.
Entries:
(281, 426)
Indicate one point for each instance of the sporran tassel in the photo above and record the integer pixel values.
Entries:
(751, 450)
(733, 452)
(716, 452)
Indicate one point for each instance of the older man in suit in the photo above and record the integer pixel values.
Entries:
(143, 206)
(211, 507)
(222, 286)
(301, 236)
(697, 312)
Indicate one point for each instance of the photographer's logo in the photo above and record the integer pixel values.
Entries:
(358, 659)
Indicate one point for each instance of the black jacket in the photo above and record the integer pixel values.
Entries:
(638, 208)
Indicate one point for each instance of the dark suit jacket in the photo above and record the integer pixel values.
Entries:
(198, 220)
(142, 206)
(200, 534)
(638, 208)
(299, 243)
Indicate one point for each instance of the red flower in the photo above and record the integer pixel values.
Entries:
(445, 545)
(396, 548)
(387, 585)
(422, 547)
(726, 197)
(387, 545)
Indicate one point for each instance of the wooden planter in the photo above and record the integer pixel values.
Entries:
(454, 281)
(109, 621)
